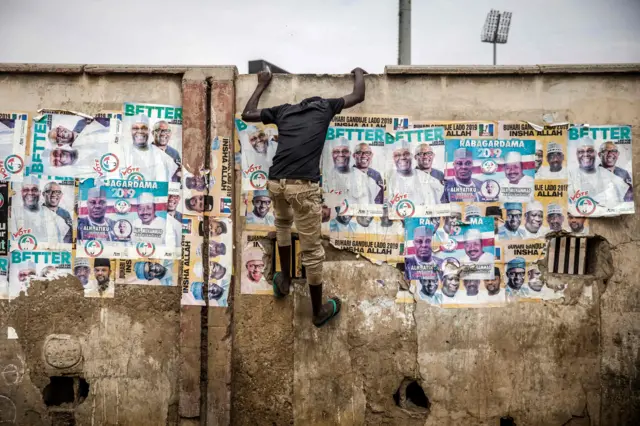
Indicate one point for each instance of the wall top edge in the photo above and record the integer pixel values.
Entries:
(98, 69)
(511, 69)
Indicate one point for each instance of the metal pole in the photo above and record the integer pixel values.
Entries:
(404, 32)
(494, 52)
(495, 38)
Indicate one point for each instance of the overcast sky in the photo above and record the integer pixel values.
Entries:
(302, 36)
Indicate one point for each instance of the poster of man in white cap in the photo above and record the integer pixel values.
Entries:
(14, 129)
(600, 171)
(472, 244)
(65, 143)
(124, 218)
(27, 266)
(534, 220)
(162, 272)
(419, 259)
(512, 228)
(489, 170)
(259, 210)
(551, 145)
(258, 144)
(41, 213)
(151, 142)
(252, 279)
(352, 164)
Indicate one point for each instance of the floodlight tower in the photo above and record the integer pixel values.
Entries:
(496, 29)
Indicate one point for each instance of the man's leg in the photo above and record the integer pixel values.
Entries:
(306, 200)
(284, 219)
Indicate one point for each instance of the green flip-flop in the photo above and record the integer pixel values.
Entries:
(276, 289)
(335, 304)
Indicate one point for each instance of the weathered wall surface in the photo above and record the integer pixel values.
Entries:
(126, 348)
(542, 364)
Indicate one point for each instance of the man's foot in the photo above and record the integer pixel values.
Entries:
(328, 311)
(281, 285)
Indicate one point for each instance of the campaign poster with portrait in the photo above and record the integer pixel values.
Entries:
(472, 244)
(489, 170)
(151, 143)
(257, 209)
(124, 219)
(378, 239)
(352, 170)
(14, 131)
(419, 259)
(551, 146)
(192, 279)
(221, 176)
(492, 292)
(551, 202)
(97, 276)
(147, 271)
(600, 172)
(27, 266)
(253, 263)
(175, 218)
(71, 144)
(461, 129)
(220, 265)
(413, 170)
(5, 202)
(257, 144)
(4, 278)
(42, 210)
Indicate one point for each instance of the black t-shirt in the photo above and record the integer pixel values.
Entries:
(302, 129)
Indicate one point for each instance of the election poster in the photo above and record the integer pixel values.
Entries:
(489, 170)
(151, 143)
(551, 146)
(492, 291)
(470, 243)
(549, 212)
(221, 176)
(220, 264)
(42, 210)
(352, 170)
(4, 218)
(125, 219)
(253, 262)
(220, 257)
(419, 259)
(600, 172)
(148, 271)
(257, 143)
(413, 170)
(4, 278)
(175, 219)
(97, 276)
(377, 239)
(14, 131)
(27, 266)
(257, 209)
(71, 144)
(392, 122)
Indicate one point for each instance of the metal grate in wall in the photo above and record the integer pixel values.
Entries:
(568, 255)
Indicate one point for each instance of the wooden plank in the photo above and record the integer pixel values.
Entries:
(572, 255)
(582, 259)
(561, 255)
(552, 255)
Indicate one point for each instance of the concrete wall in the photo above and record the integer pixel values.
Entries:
(542, 364)
(149, 361)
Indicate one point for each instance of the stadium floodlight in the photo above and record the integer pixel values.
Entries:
(496, 29)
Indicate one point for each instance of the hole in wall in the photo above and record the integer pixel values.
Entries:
(59, 391)
(411, 396)
(83, 390)
(573, 255)
(65, 390)
(507, 421)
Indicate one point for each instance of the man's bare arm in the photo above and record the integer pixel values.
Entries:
(357, 96)
(251, 112)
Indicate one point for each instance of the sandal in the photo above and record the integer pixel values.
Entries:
(335, 305)
(276, 288)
